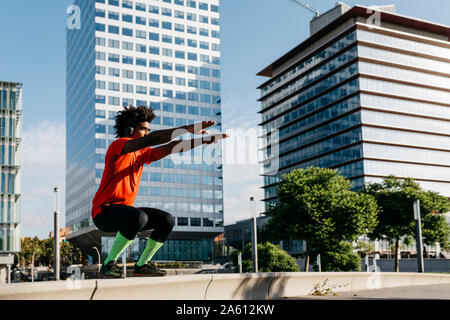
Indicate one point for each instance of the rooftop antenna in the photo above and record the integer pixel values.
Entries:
(307, 6)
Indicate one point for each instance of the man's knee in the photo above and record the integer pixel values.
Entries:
(170, 220)
(140, 220)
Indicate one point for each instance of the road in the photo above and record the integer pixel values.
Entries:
(429, 292)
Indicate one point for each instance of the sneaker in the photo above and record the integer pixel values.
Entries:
(148, 270)
(110, 270)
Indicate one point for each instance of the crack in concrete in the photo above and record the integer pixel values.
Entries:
(93, 292)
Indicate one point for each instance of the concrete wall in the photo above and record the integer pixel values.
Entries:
(248, 286)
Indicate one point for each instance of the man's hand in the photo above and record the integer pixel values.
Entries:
(214, 138)
(198, 128)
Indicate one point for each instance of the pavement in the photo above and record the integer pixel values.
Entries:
(429, 292)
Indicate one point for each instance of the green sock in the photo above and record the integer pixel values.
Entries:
(149, 251)
(120, 244)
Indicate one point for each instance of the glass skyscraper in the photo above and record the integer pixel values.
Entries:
(368, 94)
(10, 132)
(163, 54)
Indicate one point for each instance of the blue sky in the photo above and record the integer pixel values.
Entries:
(254, 33)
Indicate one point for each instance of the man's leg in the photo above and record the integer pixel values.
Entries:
(127, 221)
(162, 223)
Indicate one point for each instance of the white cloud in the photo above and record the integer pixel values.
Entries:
(43, 168)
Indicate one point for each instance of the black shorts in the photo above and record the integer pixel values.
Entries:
(130, 221)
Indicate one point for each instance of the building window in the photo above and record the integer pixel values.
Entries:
(192, 56)
(167, 65)
(153, 9)
(214, 8)
(127, 45)
(180, 54)
(153, 36)
(114, 101)
(141, 6)
(195, 222)
(114, 72)
(127, 4)
(166, 12)
(154, 50)
(141, 34)
(127, 32)
(166, 25)
(100, 27)
(127, 59)
(182, 221)
(128, 74)
(113, 29)
(154, 64)
(191, 30)
(127, 18)
(180, 67)
(141, 62)
(191, 3)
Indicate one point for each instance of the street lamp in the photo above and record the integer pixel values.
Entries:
(56, 235)
(254, 238)
(32, 265)
(99, 258)
(419, 243)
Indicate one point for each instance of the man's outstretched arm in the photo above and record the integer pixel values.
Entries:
(183, 146)
(164, 136)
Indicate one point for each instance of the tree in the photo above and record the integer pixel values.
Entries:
(44, 252)
(28, 246)
(342, 258)
(395, 198)
(318, 206)
(270, 259)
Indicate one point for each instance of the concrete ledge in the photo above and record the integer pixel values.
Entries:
(235, 286)
(182, 287)
(248, 286)
(48, 290)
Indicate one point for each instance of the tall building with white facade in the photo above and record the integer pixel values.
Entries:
(160, 53)
(368, 94)
(10, 141)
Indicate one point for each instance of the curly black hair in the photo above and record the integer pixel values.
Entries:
(130, 117)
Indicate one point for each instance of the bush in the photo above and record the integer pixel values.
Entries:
(270, 259)
(342, 258)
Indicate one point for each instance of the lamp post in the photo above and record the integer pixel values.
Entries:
(32, 265)
(99, 258)
(254, 238)
(56, 236)
(418, 236)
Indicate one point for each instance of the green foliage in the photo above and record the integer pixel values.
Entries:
(270, 259)
(341, 258)
(395, 198)
(317, 205)
(44, 252)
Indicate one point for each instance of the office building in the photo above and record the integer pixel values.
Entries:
(367, 93)
(10, 141)
(160, 53)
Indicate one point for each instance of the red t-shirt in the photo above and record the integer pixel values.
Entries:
(122, 174)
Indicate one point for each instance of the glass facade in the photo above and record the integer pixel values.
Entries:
(384, 114)
(10, 128)
(164, 55)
